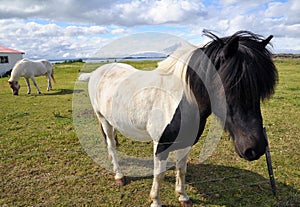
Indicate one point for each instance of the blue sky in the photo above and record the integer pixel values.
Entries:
(56, 29)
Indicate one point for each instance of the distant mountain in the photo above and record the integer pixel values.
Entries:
(147, 54)
(171, 49)
(152, 54)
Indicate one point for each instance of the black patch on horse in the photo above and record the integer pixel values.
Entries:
(184, 130)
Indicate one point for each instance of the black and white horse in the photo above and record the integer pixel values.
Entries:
(229, 77)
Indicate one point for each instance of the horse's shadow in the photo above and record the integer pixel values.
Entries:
(62, 92)
(210, 185)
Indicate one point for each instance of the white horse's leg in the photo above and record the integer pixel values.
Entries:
(111, 147)
(28, 85)
(181, 165)
(34, 82)
(49, 82)
(159, 174)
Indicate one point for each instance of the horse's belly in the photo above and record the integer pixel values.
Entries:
(133, 132)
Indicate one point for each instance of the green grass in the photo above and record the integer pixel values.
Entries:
(43, 163)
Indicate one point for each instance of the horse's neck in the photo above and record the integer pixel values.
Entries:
(15, 75)
(176, 65)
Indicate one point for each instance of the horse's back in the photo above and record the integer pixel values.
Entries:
(47, 64)
(106, 77)
(28, 68)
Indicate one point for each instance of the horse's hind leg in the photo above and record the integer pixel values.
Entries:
(34, 82)
(28, 85)
(110, 135)
(49, 82)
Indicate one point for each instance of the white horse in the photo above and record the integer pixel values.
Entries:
(29, 69)
(170, 105)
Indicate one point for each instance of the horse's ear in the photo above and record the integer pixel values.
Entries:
(231, 47)
(266, 41)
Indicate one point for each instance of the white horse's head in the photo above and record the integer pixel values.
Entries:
(15, 86)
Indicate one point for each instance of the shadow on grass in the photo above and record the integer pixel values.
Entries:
(229, 186)
(217, 185)
(63, 92)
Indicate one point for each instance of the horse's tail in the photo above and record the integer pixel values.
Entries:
(52, 76)
(49, 67)
(85, 77)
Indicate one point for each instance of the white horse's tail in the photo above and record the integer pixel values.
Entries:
(49, 67)
(52, 76)
(85, 77)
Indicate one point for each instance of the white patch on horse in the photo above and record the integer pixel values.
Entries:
(176, 64)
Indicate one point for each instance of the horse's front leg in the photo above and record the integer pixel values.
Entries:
(34, 82)
(159, 173)
(181, 165)
(28, 85)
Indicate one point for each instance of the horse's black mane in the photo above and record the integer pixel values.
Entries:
(249, 74)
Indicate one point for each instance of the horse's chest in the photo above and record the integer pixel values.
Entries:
(182, 131)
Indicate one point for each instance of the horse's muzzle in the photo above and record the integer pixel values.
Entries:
(251, 154)
(252, 151)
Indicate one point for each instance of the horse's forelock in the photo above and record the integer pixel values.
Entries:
(250, 74)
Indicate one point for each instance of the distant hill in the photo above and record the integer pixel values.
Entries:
(286, 55)
(149, 54)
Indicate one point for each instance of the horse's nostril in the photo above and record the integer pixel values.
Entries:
(250, 154)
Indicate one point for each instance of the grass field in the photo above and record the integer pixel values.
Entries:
(42, 162)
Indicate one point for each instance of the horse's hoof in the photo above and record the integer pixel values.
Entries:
(155, 205)
(187, 203)
(120, 182)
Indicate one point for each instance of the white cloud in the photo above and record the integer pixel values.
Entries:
(281, 19)
(170, 11)
(51, 40)
(141, 43)
(126, 13)
(55, 28)
(118, 31)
